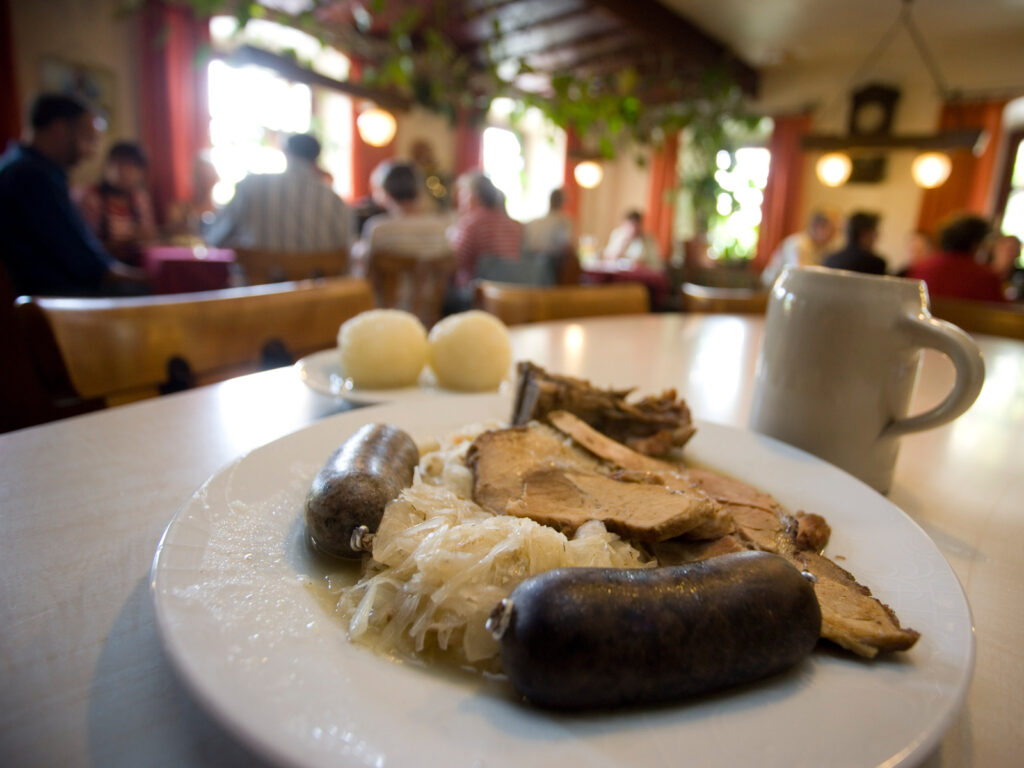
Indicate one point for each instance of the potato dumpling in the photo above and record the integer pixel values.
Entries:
(382, 349)
(470, 351)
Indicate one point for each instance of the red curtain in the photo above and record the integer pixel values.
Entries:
(780, 211)
(468, 142)
(10, 105)
(660, 211)
(175, 115)
(364, 156)
(970, 180)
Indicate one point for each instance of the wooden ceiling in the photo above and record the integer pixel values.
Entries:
(588, 39)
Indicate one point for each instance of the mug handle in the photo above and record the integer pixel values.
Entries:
(962, 350)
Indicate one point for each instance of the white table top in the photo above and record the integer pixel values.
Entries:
(84, 502)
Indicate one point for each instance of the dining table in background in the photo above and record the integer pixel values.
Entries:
(188, 268)
(657, 282)
(85, 500)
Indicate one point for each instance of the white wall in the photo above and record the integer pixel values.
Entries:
(419, 124)
(85, 32)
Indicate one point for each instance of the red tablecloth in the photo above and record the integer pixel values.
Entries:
(657, 282)
(180, 269)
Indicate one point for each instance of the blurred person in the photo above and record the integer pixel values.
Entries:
(806, 248)
(1006, 261)
(396, 185)
(630, 244)
(403, 228)
(920, 246)
(48, 248)
(119, 209)
(482, 228)
(290, 211)
(551, 233)
(952, 271)
(187, 218)
(858, 254)
(1004, 255)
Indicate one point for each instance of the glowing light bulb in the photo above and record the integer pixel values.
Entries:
(931, 169)
(588, 174)
(834, 169)
(377, 127)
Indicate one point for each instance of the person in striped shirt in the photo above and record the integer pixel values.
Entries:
(291, 211)
(483, 227)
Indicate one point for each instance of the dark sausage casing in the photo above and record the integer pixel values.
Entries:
(605, 637)
(359, 479)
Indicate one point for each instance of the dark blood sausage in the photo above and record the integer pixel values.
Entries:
(351, 490)
(577, 638)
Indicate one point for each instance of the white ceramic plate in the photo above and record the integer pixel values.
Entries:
(256, 644)
(322, 372)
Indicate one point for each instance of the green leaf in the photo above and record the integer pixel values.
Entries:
(625, 81)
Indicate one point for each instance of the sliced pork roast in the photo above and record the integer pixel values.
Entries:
(531, 472)
(652, 425)
(577, 472)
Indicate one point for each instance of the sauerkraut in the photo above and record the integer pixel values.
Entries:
(441, 563)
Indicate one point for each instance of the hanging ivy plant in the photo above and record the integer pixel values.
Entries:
(416, 61)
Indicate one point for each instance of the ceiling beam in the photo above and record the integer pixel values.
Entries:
(963, 139)
(595, 39)
(605, 62)
(543, 36)
(573, 57)
(674, 33)
(292, 70)
(517, 16)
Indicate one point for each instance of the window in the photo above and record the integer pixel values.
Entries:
(742, 176)
(504, 164)
(253, 109)
(524, 155)
(723, 202)
(1013, 213)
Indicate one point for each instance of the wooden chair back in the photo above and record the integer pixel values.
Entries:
(120, 349)
(412, 283)
(260, 267)
(516, 304)
(981, 316)
(569, 269)
(705, 298)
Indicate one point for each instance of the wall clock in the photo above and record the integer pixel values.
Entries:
(872, 110)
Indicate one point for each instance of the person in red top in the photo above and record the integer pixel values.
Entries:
(119, 209)
(483, 227)
(952, 271)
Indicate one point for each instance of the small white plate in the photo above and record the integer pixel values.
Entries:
(254, 640)
(322, 372)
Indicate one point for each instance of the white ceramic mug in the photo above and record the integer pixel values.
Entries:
(839, 361)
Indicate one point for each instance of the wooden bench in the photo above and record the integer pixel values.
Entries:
(993, 319)
(122, 349)
(516, 304)
(706, 298)
(261, 266)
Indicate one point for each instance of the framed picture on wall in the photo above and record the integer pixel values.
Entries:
(92, 84)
